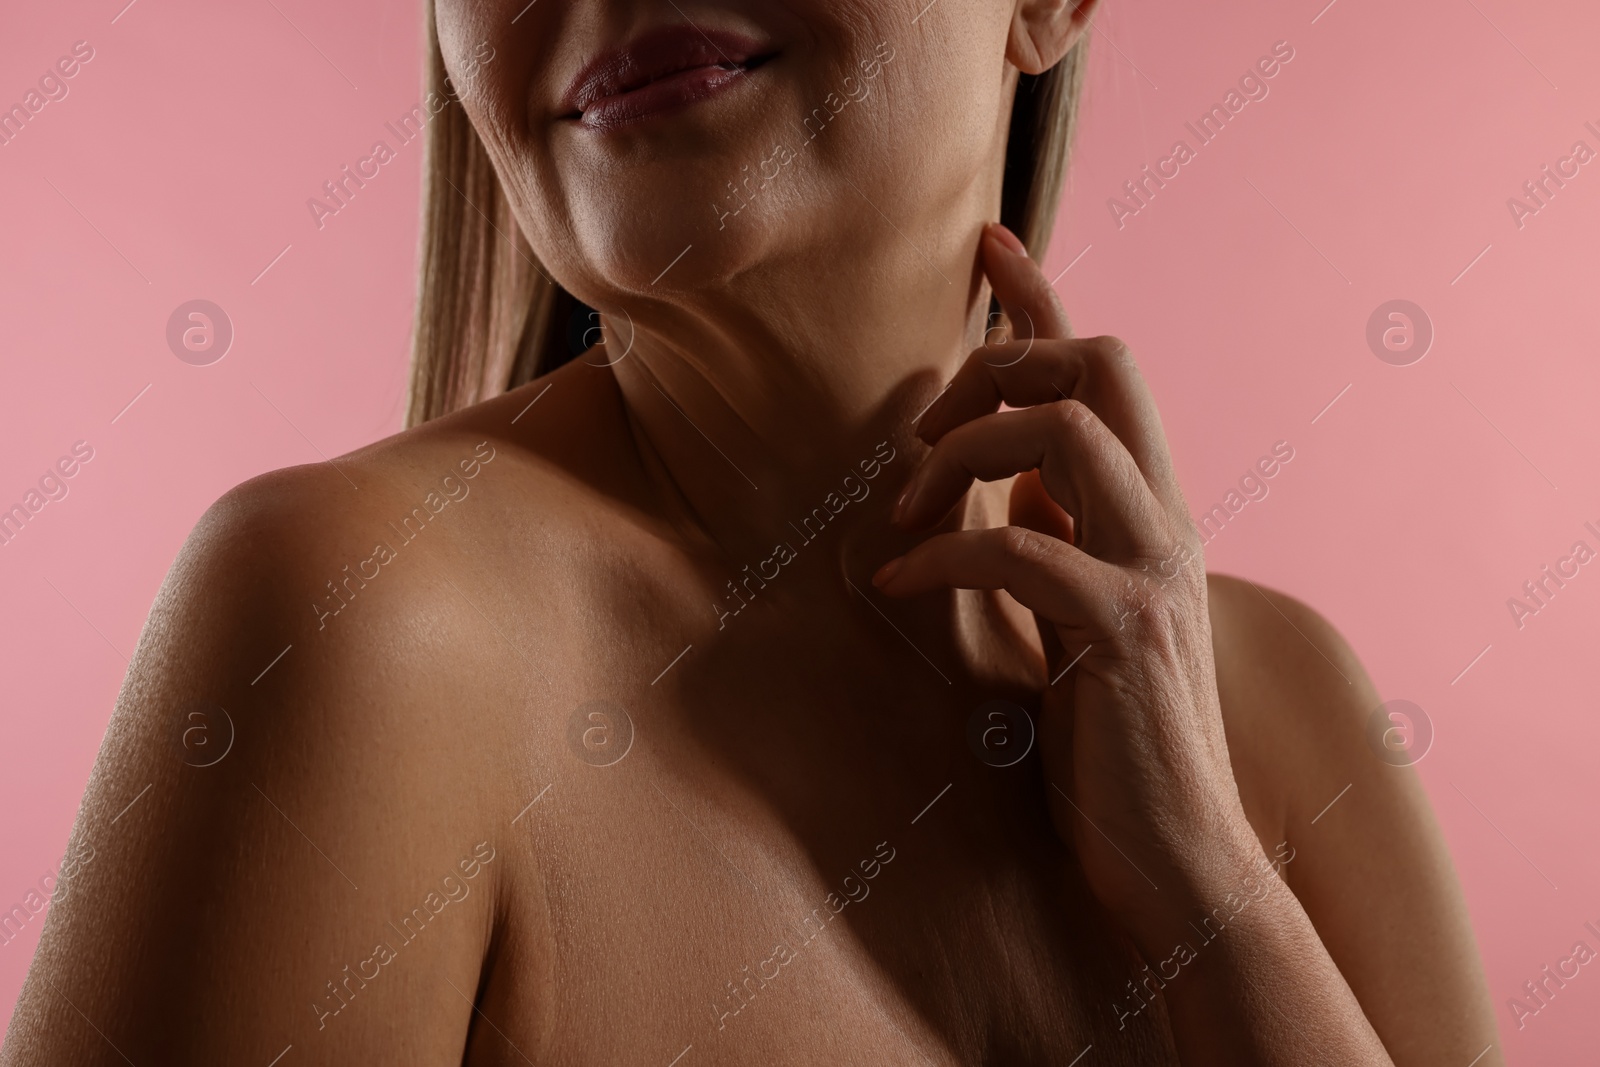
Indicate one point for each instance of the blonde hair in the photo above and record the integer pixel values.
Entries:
(490, 319)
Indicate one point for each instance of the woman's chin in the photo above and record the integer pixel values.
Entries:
(670, 252)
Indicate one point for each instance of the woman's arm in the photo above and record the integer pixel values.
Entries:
(258, 825)
(1370, 867)
(1132, 738)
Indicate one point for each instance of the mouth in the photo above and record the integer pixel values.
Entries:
(659, 73)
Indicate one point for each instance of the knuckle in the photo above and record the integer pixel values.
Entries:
(1070, 414)
(1142, 619)
(1111, 353)
(1022, 545)
(1158, 602)
(1075, 419)
(1130, 610)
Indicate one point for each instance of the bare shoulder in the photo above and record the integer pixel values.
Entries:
(393, 553)
(1294, 698)
(363, 565)
(1367, 859)
(1298, 704)
(299, 801)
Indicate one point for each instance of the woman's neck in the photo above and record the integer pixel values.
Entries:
(754, 403)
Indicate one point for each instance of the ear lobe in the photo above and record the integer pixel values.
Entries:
(1042, 31)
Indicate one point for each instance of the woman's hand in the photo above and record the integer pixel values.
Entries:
(1106, 557)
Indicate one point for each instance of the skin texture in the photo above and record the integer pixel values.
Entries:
(798, 857)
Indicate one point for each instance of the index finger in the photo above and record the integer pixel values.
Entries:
(1028, 299)
(1035, 313)
(1097, 371)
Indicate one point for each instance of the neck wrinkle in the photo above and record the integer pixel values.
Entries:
(751, 429)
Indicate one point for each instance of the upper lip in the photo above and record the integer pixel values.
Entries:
(654, 55)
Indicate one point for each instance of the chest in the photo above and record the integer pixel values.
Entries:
(781, 846)
(860, 906)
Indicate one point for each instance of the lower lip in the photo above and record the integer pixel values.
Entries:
(662, 97)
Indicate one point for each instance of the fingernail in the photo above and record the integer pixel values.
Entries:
(1004, 235)
(901, 501)
(887, 572)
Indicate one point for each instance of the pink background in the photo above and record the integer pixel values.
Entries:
(1377, 168)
